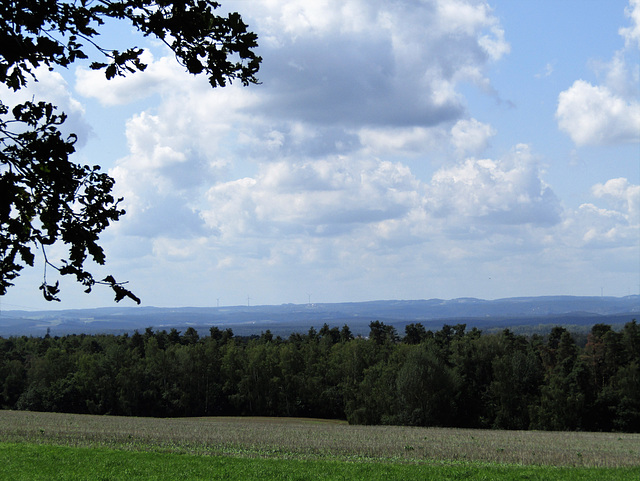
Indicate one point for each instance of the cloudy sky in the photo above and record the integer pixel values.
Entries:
(398, 149)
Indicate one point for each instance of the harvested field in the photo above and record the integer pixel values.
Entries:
(319, 439)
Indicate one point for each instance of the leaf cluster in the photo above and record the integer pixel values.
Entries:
(53, 33)
(46, 198)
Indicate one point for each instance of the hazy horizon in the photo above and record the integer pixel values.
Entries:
(304, 304)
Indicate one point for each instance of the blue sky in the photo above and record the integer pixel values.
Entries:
(394, 150)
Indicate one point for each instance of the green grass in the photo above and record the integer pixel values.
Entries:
(46, 446)
(33, 462)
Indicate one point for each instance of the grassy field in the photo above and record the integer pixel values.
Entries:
(35, 445)
(33, 462)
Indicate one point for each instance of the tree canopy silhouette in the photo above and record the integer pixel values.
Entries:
(450, 378)
(45, 198)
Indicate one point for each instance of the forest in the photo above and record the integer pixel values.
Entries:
(453, 377)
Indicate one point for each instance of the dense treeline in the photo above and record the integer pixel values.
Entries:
(452, 377)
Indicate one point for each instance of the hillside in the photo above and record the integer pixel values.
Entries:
(287, 318)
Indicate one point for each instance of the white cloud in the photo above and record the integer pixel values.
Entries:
(631, 34)
(344, 86)
(619, 78)
(406, 141)
(374, 62)
(311, 177)
(159, 76)
(471, 137)
(594, 115)
(465, 137)
(489, 192)
(337, 210)
(322, 198)
(179, 250)
(600, 227)
(611, 221)
(610, 113)
(623, 195)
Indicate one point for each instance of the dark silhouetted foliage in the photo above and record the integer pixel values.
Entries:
(454, 378)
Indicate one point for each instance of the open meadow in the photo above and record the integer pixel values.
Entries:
(34, 443)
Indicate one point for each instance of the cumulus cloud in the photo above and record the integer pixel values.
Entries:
(317, 166)
(317, 198)
(405, 141)
(344, 85)
(471, 137)
(609, 113)
(594, 115)
(509, 191)
(339, 209)
(611, 220)
(623, 195)
(372, 62)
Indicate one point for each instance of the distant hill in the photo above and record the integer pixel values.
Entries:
(287, 318)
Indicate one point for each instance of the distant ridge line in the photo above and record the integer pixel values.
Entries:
(287, 318)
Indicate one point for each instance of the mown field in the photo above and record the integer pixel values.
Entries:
(47, 445)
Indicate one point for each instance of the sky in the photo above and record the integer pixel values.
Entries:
(406, 149)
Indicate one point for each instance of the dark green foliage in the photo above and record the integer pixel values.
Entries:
(454, 378)
(414, 333)
(381, 333)
(44, 197)
(426, 387)
(562, 402)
